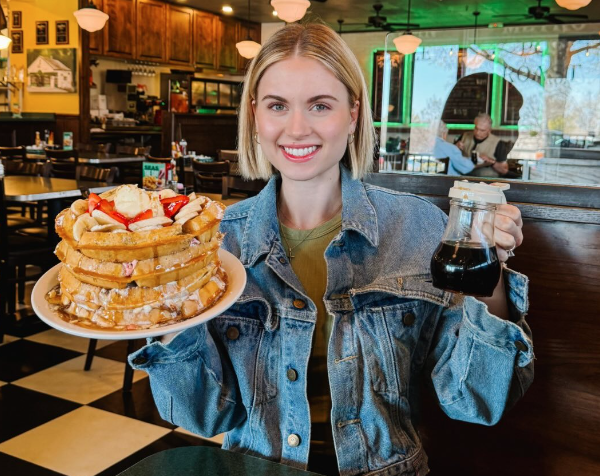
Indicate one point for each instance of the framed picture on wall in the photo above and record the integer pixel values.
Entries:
(62, 32)
(41, 32)
(16, 22)
(17, 41)
(52, 70)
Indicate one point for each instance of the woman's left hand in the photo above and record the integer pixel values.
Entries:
(508, 232)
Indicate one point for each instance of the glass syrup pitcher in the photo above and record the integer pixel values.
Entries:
(466, 261)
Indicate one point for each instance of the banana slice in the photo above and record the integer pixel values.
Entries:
(148, 228)
(155, 221)
(167, 193)
(83, 223)
(156, 206)
(192, 206)
(79, 207)
(118, 226)
(104, 219)
(181, 219)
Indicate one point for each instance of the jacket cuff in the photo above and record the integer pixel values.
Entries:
(513, 336)
(183, 345)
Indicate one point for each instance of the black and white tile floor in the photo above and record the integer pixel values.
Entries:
(57, 419)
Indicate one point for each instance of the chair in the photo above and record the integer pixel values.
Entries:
(16, 252)
(63, 162)
(208, 176)
(96, 174)
(131, 172)
(138, 151)
(13, 153)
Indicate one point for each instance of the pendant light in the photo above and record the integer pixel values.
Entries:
(90, 18)
(248, 48)
(475, 60)
(290, 10)
(573, 4)
(4, 40)
(407, 43)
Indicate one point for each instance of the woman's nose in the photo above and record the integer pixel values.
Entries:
(298, 124)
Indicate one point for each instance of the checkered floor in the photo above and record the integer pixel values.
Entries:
(57, 419)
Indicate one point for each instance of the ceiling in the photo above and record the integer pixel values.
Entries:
(427, 13)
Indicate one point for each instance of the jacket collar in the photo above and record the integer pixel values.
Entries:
(262, 228)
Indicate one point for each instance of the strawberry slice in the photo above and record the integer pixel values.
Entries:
(145, 215)
(108, 208)
(172, 205)
(93, 201)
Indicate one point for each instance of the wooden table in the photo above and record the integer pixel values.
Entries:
(208, 461)
(95, 158)
(25, 189)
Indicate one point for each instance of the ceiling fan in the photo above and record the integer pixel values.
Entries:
(540, 12)
(376, 22)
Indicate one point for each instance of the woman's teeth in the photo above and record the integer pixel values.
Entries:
(300, 152)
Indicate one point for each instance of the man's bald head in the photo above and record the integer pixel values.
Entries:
(483, 126)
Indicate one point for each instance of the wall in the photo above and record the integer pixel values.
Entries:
(50, 11)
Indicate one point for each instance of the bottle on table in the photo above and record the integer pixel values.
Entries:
(183, 147)
(38, 141)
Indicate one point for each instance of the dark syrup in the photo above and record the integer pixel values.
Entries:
(465, 268)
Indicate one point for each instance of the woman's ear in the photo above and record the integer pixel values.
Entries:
(354, 115)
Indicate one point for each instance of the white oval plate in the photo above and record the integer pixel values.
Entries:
(237, 282)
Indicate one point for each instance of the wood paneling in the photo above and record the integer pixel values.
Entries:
(96, 42)
(119, 32)
(227, 34)
(205, 134)
(204, 40)
(555, 429)
(180, 29)
(151, 30)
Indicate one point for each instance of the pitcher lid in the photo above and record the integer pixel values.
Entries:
(479, 192)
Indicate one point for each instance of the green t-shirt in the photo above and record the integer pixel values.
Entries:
(308, 262)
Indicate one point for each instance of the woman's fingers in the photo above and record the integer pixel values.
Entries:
(508, 232)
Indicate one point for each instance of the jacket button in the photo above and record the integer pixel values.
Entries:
(232, 333)
(292, 375)
(140, 360)
(299, 304)
(293, 440)
(521, 346)
(408, 319)
(282, 260)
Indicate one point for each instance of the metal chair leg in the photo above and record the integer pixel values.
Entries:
(90, 354)
(21, 275)
(128, 376)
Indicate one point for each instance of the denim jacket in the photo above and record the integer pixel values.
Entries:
(245, 372)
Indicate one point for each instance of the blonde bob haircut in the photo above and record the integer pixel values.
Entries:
(321, 43)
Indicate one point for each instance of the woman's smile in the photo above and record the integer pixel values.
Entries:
(300, 153)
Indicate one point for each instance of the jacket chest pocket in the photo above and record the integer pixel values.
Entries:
(390, 338)
(247, 345)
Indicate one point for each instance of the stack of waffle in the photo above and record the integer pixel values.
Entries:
(133, 259)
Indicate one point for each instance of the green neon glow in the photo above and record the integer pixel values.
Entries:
(497, 92)
(407, 76)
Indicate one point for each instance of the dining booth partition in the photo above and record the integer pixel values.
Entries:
(555, 429)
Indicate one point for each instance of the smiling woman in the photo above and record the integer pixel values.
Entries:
(314, 366)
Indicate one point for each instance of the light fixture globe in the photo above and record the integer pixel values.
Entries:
(290, 10)
(573, 4)
(407, 43)
(248, 48)
(4, 42)
(90, 18)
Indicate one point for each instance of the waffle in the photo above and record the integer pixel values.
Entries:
(133, 259)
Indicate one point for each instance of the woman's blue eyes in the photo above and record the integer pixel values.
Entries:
(281, 107)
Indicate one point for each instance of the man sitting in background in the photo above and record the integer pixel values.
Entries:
(458, 164)
(489, 148)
